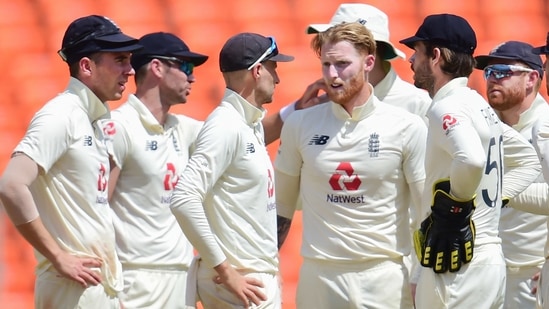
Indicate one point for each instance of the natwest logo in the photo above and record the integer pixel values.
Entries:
(171, 178)
(270, 184)
(344, 178)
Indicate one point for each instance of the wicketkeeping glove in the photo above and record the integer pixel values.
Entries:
(446, 238)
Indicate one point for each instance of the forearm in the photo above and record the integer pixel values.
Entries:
(21, 208)
(272, 126)
(533, 199)
(465, 179)
(40, 239)
(192, 219)
(521, 163)
(283, 228)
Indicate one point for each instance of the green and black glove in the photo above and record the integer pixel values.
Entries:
(446, 238)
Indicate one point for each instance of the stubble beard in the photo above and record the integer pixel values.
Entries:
(348, 91)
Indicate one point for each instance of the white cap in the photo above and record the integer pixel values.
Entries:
(374, 20)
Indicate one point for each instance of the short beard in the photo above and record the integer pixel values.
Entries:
(349, 91)
(510, 98)
(423, 79)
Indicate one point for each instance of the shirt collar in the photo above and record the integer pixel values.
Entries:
(147, 118)
(359, 112)
(251, 114)
(384, 86)
(531, 114)
(88, 100)
(455, 83)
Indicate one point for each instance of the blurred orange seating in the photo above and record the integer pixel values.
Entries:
(137, 18)
(511, 7)
(20, 29)
(517, 26)
(464, 8)
(247, 10)
(36, 78)
(60, 13)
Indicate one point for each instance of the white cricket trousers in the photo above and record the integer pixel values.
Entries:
(215, 296)
(542, 296)
(519, 286)
(478, 284)
(54, 291)
(376, 284)
(154, 288)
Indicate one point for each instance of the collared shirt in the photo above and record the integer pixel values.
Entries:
(464, 143)
(231, 180)
(394, 91)
(68, 141)
(151, 157)
(354, 173)
(524, 234)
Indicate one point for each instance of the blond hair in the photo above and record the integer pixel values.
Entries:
(354, 33)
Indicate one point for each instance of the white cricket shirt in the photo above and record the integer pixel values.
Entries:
(65, 138)
(394, 91)
(230, 178)
(524, 234)
(540, 140)
(151, 157)
(354, 173)
(464, 144)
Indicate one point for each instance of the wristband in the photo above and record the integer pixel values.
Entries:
(286, 111)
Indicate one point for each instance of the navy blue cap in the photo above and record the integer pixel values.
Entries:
(512, 50)
(542, 50)
(167, 45)
(448, 30)
(242, 50)
(91, 34)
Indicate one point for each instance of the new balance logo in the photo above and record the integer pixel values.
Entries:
(319, 140)
(88, 140)
(151, 145)
(250, 148)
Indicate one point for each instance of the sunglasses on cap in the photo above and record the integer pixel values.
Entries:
(499, 71)
(269, 51)
(184, 66)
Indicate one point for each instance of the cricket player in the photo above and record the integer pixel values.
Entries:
(540, 137)
(388, 86)
(356, 164)
(513, 76)
(224, 200)
(458, 242)
(151, 148)
(54, 188)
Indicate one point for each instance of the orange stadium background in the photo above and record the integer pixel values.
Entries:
(31, 32)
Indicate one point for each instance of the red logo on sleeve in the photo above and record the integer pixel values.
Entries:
(448, 121)
(109, 128)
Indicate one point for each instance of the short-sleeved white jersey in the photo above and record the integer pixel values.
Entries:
(230, 175)
(524, 234)
(354, 173)
(394, 91)
(464, 131)
(67, 140)
(151, 157)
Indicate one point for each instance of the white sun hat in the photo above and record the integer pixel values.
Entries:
(373, 19)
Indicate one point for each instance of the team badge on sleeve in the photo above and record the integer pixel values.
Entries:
(448, 122)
